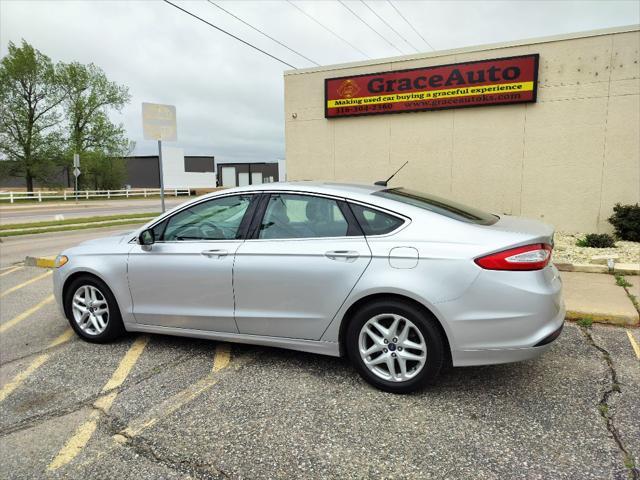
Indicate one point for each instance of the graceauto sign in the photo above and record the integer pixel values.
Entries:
(500, 81)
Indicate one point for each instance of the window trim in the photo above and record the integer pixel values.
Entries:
(259, 210)
(254, 230)
(242, 229)
(405, 220)
(380, 193)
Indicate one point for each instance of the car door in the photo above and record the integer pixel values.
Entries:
(184, 279)
(307, 255)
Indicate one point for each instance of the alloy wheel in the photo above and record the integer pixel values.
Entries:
(90, 310)
(392, 347)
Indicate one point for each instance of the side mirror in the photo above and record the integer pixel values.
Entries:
(147, 237)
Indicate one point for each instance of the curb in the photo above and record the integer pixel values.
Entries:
(617, 320)
(621, 268)
(41, 262)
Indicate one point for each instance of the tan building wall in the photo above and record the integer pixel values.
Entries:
(566, 159)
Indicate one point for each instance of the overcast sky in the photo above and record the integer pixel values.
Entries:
(229, 98)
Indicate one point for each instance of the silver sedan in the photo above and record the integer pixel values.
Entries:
(401, 282)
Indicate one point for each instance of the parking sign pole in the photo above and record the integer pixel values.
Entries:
(76, 165)
(161, 175)
(159, 123)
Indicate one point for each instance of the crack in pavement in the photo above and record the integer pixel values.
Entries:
(34, 420)
(128, 435)
(603, 405)
(197, 469)
(36, 353)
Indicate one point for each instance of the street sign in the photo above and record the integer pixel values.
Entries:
(76, 172)
(159, 122)
(76, 160)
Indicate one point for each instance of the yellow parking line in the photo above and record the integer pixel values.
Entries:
(14, 321)
(222, 356)
(634, 344)
(126, 364)
(11, 270)
(28, 282)
(65, 337)
(22, 376)
(220, 361)
(7, 267)
(168, 406)
(84, 432)
(37, 362)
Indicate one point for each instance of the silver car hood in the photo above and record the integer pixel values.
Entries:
(111, 240)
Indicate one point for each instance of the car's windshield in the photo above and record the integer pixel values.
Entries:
(439, 205)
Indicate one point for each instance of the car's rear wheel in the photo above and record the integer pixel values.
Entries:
(92, 310)
(395, 346)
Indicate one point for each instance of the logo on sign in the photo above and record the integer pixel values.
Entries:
(348, 89)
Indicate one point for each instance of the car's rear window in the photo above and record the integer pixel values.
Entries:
(439, 205)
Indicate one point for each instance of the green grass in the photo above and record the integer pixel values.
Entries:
(585, 322)
(71, 221)
(64, 228)
(622, 282)
(629, 462)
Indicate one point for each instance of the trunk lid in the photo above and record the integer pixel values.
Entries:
(535, 230)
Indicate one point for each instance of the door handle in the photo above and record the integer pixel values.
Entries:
(215, 253)
(343, 255)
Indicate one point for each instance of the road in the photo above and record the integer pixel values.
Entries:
(165, 407)
(46, 211)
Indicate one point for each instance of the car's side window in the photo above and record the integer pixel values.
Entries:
(216, 219)
(158, 230)
(302, 216)
(375, 222)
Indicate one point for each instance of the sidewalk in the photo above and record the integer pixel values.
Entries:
(597, 297)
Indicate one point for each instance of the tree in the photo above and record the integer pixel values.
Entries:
(30, 96)
(89, 95)
(102, 172)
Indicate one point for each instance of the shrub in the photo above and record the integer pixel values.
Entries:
(597, 240)
(626, 222)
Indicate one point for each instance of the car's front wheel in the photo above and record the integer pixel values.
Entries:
(395, 346)
(92, 310)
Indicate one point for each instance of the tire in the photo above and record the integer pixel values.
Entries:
(109, 323)
(421, 365)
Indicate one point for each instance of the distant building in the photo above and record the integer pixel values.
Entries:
(240, 174)
(180, 171)
(143, 170)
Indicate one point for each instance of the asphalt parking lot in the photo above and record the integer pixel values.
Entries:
(167, 407)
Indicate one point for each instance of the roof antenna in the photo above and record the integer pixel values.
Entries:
(383, 183)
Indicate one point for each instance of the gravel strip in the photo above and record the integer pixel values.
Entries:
(566, 250)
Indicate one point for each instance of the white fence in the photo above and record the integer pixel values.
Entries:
(87, 194)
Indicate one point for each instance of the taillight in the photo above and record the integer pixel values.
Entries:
(529, 257)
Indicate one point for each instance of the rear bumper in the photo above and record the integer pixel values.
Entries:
(467, 358)
(505, 317)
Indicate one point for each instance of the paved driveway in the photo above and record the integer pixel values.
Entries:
(168, 407)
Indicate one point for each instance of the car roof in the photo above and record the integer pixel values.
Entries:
(331, 188)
